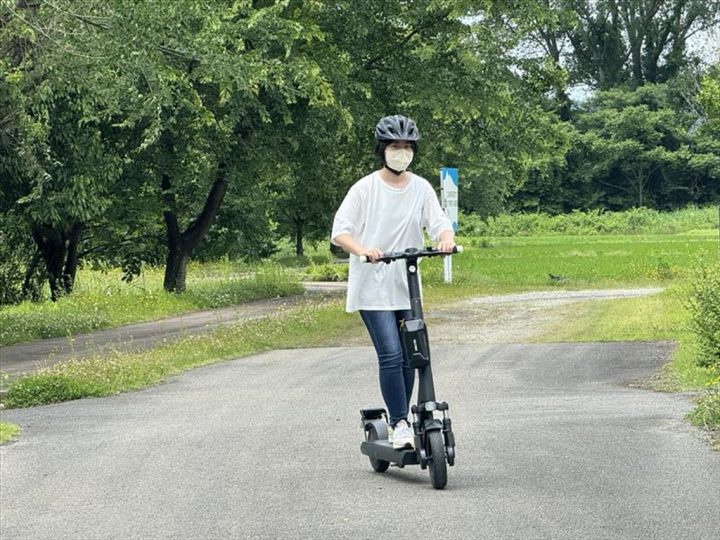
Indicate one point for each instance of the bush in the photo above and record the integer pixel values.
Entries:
(8, 432)
(704, 305)
(707, 412)
(591, 222)
(327, 272)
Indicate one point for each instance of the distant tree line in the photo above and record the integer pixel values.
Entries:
(646, 135)
(133, 132)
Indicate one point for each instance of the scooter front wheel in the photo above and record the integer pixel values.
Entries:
(378, 465)
(436, 462)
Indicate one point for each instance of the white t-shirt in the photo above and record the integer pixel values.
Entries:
(380, 216)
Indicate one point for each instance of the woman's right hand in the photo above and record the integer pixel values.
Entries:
(372, 254)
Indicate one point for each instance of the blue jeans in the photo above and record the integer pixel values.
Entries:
(396, 377)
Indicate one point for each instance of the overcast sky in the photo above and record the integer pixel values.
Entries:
(706, 45)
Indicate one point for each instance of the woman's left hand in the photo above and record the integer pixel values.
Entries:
(446, 246)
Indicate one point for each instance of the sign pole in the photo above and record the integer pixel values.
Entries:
(449, 199)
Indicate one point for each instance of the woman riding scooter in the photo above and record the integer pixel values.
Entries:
(387, 210)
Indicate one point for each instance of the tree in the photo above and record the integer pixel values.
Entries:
(59, 167)
(638, 150)
(306, 185)
(449, 66)
(210, 112)
(182, 113)
(606, 43)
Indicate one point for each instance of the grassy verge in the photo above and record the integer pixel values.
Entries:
(8, 432)
(707, 412)
(102, 300)
(312, 324)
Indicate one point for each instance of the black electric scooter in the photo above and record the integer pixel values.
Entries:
(434, 440)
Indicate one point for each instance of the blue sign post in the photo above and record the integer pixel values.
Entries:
(449, 182)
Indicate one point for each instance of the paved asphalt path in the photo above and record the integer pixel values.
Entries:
(553, 441)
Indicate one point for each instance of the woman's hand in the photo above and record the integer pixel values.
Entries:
(372, 254)
(349, 244)
(446, 246)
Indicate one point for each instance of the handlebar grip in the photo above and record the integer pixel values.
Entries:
(458, 249)
(363, 258)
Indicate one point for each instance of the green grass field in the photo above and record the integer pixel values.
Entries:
(495, 265)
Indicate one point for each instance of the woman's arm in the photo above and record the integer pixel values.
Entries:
(349, 222)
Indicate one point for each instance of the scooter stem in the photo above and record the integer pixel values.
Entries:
(414, 287)
(426, 388)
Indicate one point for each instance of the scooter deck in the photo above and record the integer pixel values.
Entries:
(384, 451)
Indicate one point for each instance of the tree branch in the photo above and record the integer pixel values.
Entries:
(370, 64)
(195, 232)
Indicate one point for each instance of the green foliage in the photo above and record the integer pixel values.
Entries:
(704, 305)
(631, 148)
(710, 95)
(633, 140)
(142, 99)
(15, 257)
(594, 222)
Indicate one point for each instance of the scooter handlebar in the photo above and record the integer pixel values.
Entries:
(412, 252)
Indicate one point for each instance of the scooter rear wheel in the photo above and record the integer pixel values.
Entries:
(437, 464)
(378, 465)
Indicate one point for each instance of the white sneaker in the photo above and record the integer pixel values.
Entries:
(402, 436)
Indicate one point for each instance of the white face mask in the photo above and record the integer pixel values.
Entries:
(398, 159)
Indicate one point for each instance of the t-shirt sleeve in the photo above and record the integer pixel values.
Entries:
(349, 219)
(434, 219)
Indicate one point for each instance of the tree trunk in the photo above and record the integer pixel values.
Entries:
(564, 105)
(299, 248)
(32, 284)
(71, 259)
(59, 250)
(176, 269)
(549, 38)
(182, 244)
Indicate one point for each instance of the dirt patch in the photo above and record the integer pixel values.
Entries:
(507, 318)
(511, 318)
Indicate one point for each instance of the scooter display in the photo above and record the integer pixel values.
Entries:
(434, 439)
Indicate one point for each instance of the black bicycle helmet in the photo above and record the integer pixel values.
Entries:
(396, 128)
